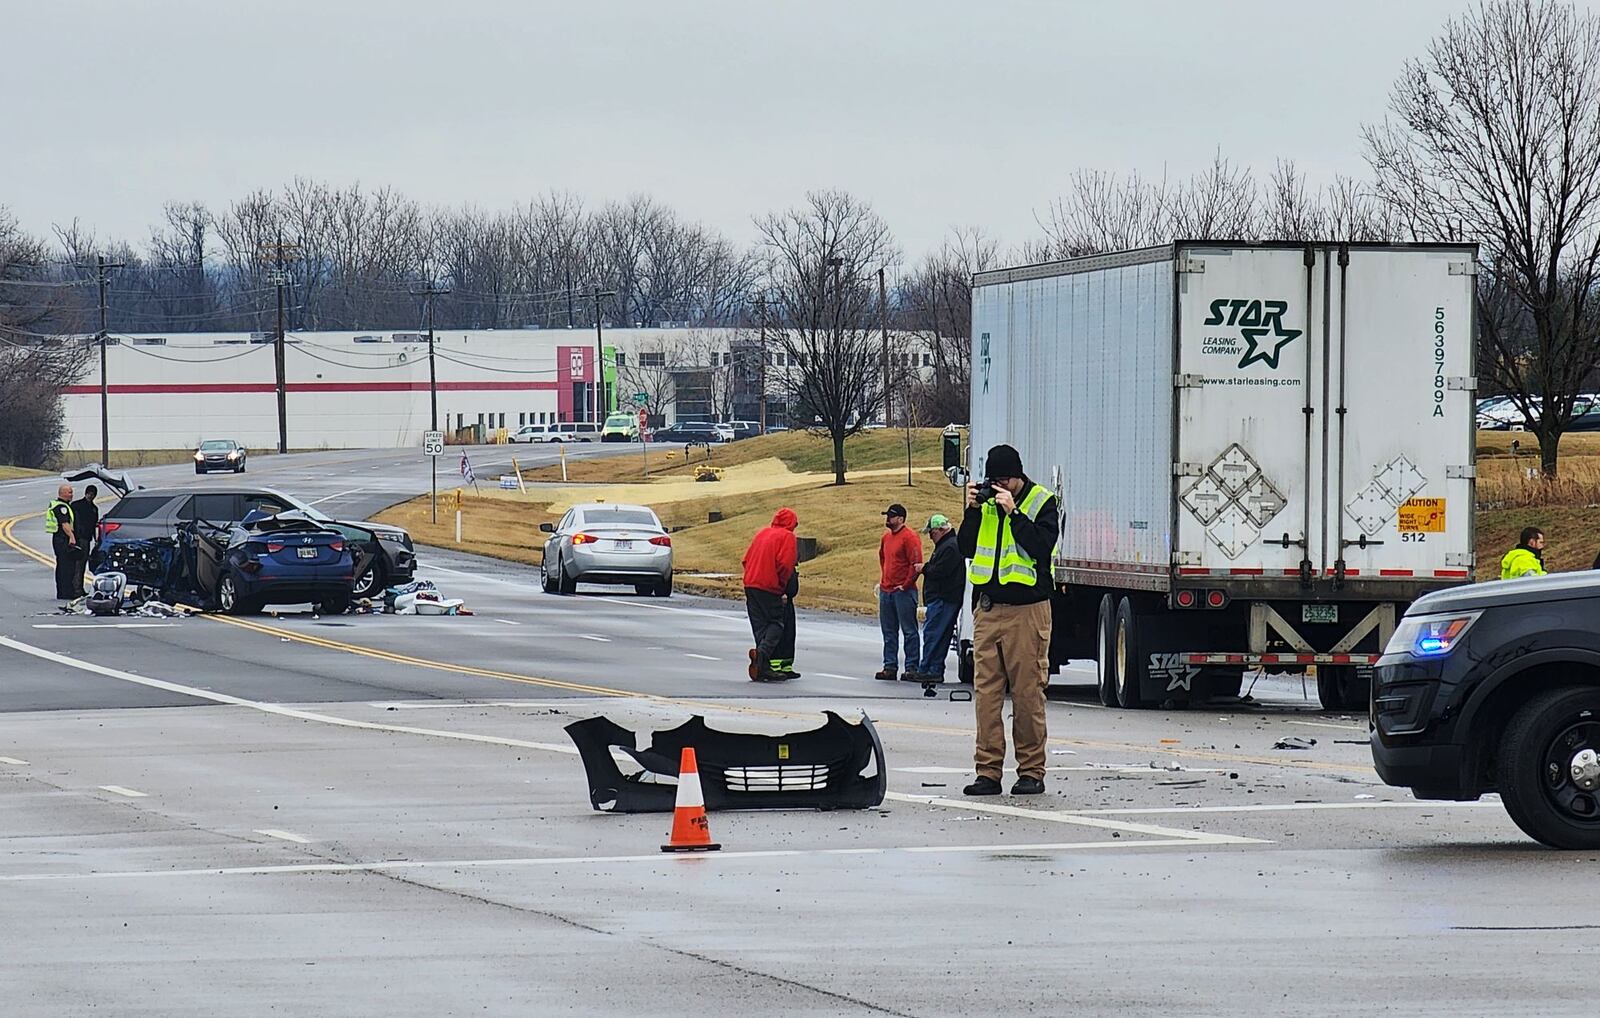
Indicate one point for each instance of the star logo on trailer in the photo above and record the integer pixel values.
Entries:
(1260, 323)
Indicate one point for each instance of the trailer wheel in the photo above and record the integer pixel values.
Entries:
(1128, 655)
(1343, 687)
(1104, 662)
(965, 667)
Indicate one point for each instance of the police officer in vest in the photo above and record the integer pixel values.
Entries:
(1007, 534)
(64, 543)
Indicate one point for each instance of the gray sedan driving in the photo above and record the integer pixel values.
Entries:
(603, 542)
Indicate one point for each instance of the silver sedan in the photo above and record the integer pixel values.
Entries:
(604, 542)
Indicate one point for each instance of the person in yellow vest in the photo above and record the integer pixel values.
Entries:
(1007, 535)
(58, 522)
(1527, 558)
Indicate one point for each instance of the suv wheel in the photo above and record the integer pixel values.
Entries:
(1549, 768)
(369, 583)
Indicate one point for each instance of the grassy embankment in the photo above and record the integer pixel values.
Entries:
(790, 470)
(846, 521)
(17, 473)
(1513, 495)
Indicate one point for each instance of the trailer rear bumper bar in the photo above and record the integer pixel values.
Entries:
(1248, 660)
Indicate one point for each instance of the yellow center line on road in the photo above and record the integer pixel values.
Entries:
(8, 538)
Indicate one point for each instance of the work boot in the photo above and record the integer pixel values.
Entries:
(785, 674)
(983, 786)
(886, 674)
(1028, 786)
(913, 677)
(757, 666)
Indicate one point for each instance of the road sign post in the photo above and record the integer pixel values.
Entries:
(433, 448)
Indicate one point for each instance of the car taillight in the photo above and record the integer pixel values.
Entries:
(109, 528)
(663, 541)
(273, 549)
(584, 539)
(337, 546)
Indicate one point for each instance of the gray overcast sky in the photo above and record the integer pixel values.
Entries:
(937, 112)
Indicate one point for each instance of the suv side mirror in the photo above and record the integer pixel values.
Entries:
(547, 528)
(954, 471)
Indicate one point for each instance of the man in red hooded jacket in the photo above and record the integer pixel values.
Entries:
(769, 576)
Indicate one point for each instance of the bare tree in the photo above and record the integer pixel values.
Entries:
(1496, 138)
(37, 361)
(936, 308)
(822, 260)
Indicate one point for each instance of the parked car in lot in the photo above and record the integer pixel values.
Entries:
(689, 433)
(385, 555)
(745, 429)
(620, 428)
(604, 542)
(287, 558)
(1495, 687)
(219, 454)
(536, 433)
(725, 431)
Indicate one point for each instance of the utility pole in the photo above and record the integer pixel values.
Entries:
(100, 266)
(761, 372)
(599, 355)
(280, 278)
(572, 318)
(883, 326)
(429, 292)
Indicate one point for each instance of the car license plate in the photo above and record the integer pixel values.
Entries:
(624, 545)
(1319, 613)
(307, 552)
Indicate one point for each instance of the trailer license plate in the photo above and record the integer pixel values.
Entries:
(1319, 613)
(307, 552)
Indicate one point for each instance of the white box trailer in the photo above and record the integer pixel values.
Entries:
(1264, 452)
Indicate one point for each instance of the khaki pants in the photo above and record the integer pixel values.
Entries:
(1011, 648)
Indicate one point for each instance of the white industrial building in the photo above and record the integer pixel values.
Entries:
(371, 389)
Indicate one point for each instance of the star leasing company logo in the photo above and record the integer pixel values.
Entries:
(985, 359)
(1260, 324)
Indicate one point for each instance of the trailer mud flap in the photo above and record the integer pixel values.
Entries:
(837, 766)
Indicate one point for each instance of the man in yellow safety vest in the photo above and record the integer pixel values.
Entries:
(58, 521)
(1007, 534)
(1527, 558)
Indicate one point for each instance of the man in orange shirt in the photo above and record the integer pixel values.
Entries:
(899, 563)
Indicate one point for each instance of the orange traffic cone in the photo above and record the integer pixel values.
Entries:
(691, 832)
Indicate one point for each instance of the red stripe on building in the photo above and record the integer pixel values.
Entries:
(212, 388)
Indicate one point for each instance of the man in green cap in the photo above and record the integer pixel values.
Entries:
(943, 583)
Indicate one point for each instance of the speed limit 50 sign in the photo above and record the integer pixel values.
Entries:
(433, 443)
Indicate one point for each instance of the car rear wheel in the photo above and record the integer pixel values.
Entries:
(230, 600)
(1549, 768)
(644, 589)
(664, 588)
(199, 470)
(565, 583)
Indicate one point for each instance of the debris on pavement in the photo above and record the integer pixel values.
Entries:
(1294, 742)
(839, 765)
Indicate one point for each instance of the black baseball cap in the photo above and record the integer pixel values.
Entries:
(895, 510)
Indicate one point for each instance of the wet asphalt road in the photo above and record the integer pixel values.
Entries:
(382, 816)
